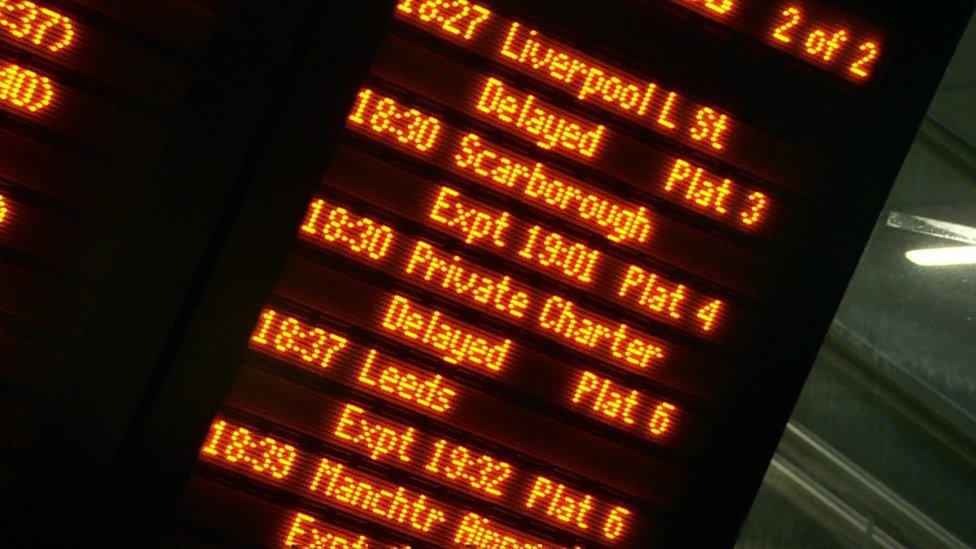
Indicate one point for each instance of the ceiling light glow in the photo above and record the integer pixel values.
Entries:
(943, 257)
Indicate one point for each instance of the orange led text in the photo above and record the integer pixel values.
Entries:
(618, 221)
(622, 406)
(459, 18)
(643, 291)
(3, 209)
(25, 89)
(825, 43)
(664, 110)
(457, 463)
(615, 343)
(700, 188)
(424, 390)
(453, 274)
(607, 398)
(379, 439)
(718, 196)
(658, 297)
(560, 502)
(36, 25)
(719, 7)
(257, 454)
(304, 532)
(473, 222)
(291, 337)
(665, 299)
(391, 120)
(556, 252)
(397, 505)
(533, 119)
(563, 505)
(615, 525)
(477, 531)
(335, 225)
(433, 330)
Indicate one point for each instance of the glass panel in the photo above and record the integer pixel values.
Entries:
(881, 449)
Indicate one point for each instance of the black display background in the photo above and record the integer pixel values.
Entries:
(770, 91)
(275, 88)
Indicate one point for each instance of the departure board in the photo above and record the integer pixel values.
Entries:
(415, 273)
(520, 298)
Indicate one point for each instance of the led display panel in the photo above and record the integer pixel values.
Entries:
(83, 117)
(87, 104)
(485, 273)
(527, 291)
